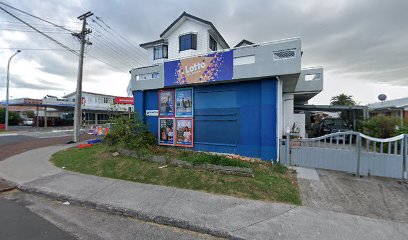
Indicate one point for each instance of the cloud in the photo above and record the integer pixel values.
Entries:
(19, 82)
(361, 41)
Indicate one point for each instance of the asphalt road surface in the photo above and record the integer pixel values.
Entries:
(6, 140)
(28, 216)
(12, 145)
(17, 222)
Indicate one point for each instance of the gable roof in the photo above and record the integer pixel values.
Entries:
(244, 41)
(184, 14)
(396, 103)
(99, 94)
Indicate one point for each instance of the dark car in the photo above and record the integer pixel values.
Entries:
(332, 125)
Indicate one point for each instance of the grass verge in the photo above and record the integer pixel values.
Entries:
(271, 182)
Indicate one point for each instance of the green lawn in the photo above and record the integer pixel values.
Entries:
(271, 182)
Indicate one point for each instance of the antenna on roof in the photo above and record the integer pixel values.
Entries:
(382, 97)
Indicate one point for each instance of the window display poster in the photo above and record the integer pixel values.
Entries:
(184, 102)
(166, 131)
(184, 132)
(166, 103)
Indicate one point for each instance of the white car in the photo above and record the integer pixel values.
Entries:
(28, 122)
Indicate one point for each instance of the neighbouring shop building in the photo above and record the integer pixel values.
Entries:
(55, 111)
(200, 93)
(97, 108)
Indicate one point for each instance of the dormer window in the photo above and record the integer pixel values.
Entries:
(160, 51)
(188, 41)
(213, 44)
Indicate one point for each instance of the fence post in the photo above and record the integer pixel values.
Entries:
(404, 156)
(287, 143)
(358, 154)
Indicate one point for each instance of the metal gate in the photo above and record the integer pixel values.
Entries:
(349, 152)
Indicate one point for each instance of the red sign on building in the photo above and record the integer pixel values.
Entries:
(123, 100)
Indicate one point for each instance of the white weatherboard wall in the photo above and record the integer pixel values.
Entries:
(188, 26)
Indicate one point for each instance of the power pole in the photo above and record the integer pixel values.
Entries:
(78, 98)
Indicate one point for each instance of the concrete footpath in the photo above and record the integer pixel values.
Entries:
(218, 215)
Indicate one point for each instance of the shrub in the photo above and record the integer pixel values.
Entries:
(381, 126)
(130, 133)
(203, 158)
(14, 118)
(403, 129)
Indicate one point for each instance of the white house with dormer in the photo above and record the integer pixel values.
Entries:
(243, 97)
(187, 36)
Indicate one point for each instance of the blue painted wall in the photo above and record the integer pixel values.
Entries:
(237, 118)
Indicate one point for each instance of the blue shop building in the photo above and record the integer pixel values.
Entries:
(201, 93)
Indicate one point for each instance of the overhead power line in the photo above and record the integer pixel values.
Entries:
(45, 35)
(125, 54)
(36, 49)
(100, 60)
(56, 25)
(29, 31)
(113, 30)
(113, 46)
(119, 37)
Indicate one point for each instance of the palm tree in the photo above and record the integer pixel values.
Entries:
(343, 100)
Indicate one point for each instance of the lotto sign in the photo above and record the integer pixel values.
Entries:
(203, 69)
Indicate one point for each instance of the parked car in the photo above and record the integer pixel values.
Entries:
(332, 125)
(28, 122)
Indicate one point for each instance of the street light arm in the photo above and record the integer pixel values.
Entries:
(8, 64)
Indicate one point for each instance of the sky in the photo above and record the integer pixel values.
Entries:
(361, 44)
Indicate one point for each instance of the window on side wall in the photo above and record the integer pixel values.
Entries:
(160, 51)
(213, 44)
(188, 41)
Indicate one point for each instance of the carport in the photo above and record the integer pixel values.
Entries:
(352, 114)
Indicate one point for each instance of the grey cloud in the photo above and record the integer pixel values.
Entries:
(365, 39)
(18, 82)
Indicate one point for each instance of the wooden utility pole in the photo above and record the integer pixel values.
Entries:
(78, 98)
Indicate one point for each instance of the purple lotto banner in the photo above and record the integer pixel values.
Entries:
(208, 68)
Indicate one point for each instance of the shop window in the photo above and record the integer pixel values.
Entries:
(188, 41)
(213, 44)
(160, 51)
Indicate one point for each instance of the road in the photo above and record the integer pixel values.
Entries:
(24, 141)
(28, 216)
(17, 222)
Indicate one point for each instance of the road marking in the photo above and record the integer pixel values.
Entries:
(8, 134)
(68, 130)
(66, 135)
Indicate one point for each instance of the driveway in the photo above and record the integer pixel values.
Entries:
(375, 197)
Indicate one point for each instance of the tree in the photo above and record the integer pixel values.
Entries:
(30, 114)
(14, 118)
(343, 100)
